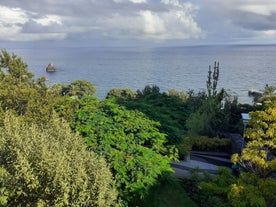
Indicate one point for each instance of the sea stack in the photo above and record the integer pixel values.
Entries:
(51, 68)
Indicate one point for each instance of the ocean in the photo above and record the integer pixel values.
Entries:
(242, 68)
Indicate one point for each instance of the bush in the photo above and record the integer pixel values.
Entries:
(50, 166)
(203, 143)
(196, 193)
(184, 148)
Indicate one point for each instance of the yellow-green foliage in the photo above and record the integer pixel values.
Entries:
(21, 93)
(252, 191)
(204, 143)
(262, 139)
(50, 166)
(256, 188)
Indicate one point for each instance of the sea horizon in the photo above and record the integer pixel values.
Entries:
(243, 67)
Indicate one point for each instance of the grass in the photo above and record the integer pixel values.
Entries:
(167, 194)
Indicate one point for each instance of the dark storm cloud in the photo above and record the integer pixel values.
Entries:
(82, 7)
(253, 21)
(237, 20)
(34, 27)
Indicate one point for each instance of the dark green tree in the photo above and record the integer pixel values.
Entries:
(77, 88)
(212, 81)
(170, 110)
(130, 142)
(217, 113)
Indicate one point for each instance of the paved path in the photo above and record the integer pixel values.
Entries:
(182, 168)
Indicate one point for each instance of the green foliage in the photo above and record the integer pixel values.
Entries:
(50, 166)
(208, 119)
(212, 80)
(130, 142)
(252, 191)
(199, 195)
(149, 90)
(249, 190)
(121, 93)
(13, 69)
(78, 88)
(219, 186)
(20, 93)
(214, 113)
(195, 100)
(66, 107)
(184, 148)
(266, 95)
(170, 111)
(180, 94)
(166, 193)
(261, 136)
(232, 120)
(203, 143)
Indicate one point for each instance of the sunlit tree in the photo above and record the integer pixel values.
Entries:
(50, 166)
(261, 135)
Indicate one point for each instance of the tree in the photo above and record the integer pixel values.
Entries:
(212, 80)
(20, 92)
(209, 118)
(247, 190)
(169, 110)
(130, 142)
(50, 166)
(215, 112)
(269, 94)
(14, 69)
(261, 136)
(80, 88)
(149, 90)
(252, 191)
(180, 94)
(121, 93)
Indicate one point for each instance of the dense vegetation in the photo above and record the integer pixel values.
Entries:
(50, 166)
(61, 146)
(129, 141)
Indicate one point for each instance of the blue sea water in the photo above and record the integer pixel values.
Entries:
(241, 67)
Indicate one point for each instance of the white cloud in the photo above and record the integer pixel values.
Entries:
(261, 9)
(133, 1)
(268, 35)
(12, 15)
(153, 24)
(159, 20)
(131, 19)
(48, 20)
(12, 21)
(138, 1)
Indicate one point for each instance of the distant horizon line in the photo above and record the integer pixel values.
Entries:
(34, 46)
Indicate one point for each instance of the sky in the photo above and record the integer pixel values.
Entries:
(137, 22)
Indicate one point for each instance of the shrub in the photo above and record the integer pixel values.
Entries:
(50, 166)
(203, 143)
(184, 148)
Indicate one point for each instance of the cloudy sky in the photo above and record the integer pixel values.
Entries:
(137, 22)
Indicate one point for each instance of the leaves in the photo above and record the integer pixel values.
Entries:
(262, 138)
(130, 142)
(50, 166)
